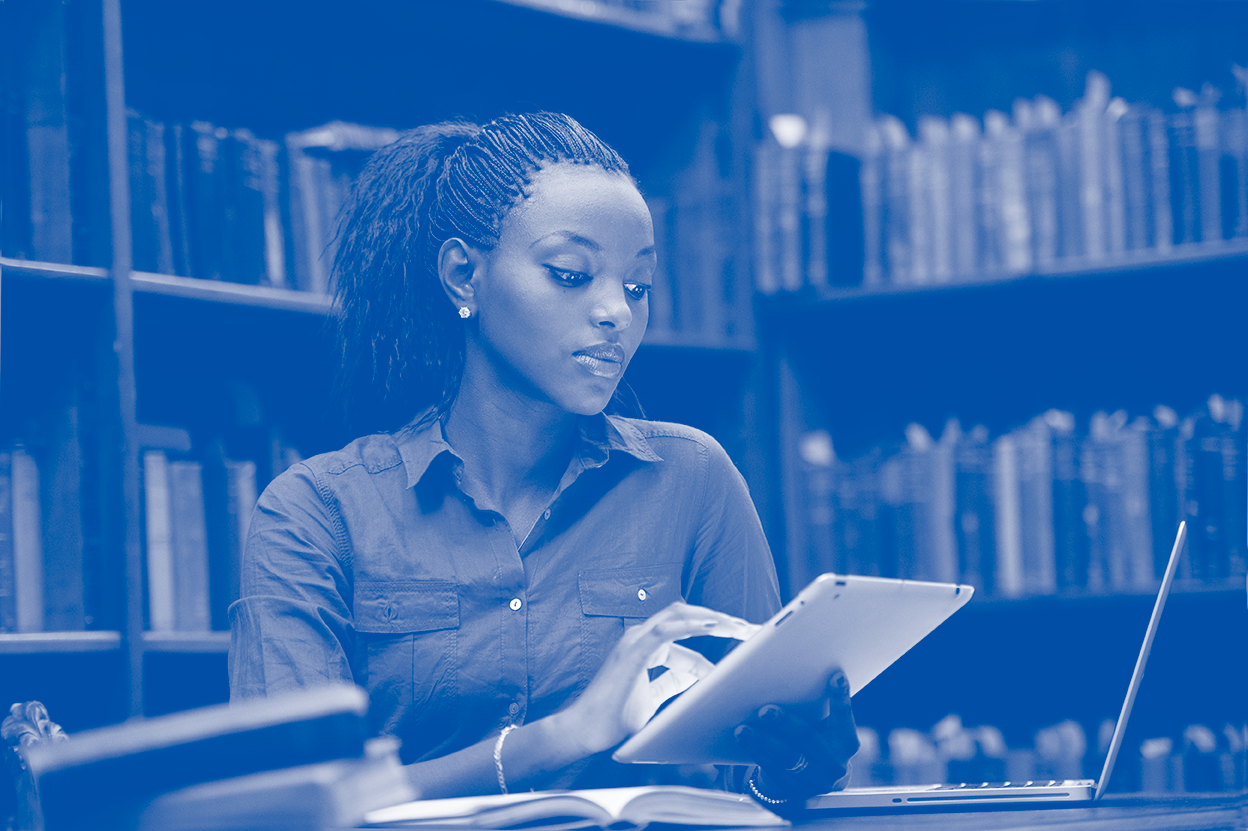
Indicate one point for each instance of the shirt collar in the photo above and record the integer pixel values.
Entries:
(422, 440)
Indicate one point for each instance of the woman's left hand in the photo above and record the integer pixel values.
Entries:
(797, 758)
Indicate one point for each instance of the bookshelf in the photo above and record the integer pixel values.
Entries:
(105, 361)
(867, 366)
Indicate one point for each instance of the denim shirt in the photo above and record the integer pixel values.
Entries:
(375, 564)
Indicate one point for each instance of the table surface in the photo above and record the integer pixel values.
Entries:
(1131, 812)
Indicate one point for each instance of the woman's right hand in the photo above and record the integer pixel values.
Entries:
(621, 698)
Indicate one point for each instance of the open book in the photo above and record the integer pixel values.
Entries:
(614, 807)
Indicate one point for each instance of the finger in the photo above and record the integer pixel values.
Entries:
(838, 730)
(767, 749)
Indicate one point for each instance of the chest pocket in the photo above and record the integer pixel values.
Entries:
(629, 592)
(406, 653)
(391, 608)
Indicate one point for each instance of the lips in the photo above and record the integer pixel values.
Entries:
(606, 360)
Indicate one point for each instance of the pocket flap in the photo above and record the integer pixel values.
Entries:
(629, 592)
(397, 608)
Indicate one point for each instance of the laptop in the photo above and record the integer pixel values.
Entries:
(1014, 793)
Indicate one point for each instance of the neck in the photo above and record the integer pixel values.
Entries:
(513, 447)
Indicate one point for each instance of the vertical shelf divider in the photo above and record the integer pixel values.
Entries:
(125, 450)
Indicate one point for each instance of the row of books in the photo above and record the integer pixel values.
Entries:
(1202, 759)
(196, 512)
(1040, 510)
(1009, 195)
(222, 204)
(1102, 183)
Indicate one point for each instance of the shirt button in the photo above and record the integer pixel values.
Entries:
(513, 708)
(515, 604)
(641, 594)
(547, 514)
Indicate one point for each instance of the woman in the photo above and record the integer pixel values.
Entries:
(500, 563)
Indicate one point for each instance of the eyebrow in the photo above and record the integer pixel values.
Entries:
(586, 242)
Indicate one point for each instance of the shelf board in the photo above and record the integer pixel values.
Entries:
(1216, 590)
(662, 22)
(29, 643)
(31, 269)
(237, 294)
(187, 642)
(1130, 262)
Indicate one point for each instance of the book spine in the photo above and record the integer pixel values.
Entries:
(1016, 242)
(157, 167)
(1006, 509)
(1163, 493)
(1136, 502)
(789, 217)
(935, 135)
(766, 273)
(991, 256)
(897, 254)
(8, 570)
(14, 156)
(873, 209)
(1205, 125)
(1136, 198)
(1040, 153)
(179, 212)
(245, 216)
(963, 151)
(1091, 117)
(47, 134)
(274, 228)
(975, 527)
(27, 542)
(1159, 167)
(1095, 513)
(1184, 187)
(815, 214)
(1115, 186)
(158, 521)
(190, 547)
(1070, 202)
(206, 201)
(919, 210)
(1070, 540)
(1034, 448)
(64, 542)
(942, 503)
(142, 225)
(1235, 491)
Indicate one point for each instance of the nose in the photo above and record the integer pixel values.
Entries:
(610, 305)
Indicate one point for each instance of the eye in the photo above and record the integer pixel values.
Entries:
(637, 291)
(571, 279)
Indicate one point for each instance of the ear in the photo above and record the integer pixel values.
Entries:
(458, 263)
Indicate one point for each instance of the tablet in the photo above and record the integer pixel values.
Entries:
(860, 624)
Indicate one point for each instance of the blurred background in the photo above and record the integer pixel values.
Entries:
(958, 285)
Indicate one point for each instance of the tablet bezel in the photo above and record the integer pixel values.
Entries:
(860, 624)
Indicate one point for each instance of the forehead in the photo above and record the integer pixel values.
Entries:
(576, 197)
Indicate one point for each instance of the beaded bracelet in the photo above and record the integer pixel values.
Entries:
(498, 757)
(758, 794)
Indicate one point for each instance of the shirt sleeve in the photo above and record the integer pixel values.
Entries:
(291, 627)
(733, 570)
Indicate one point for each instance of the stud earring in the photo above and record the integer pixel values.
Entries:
(465, 312)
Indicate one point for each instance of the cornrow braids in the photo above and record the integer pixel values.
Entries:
(401, 341)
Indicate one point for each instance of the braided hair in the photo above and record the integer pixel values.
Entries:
(401, 341)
